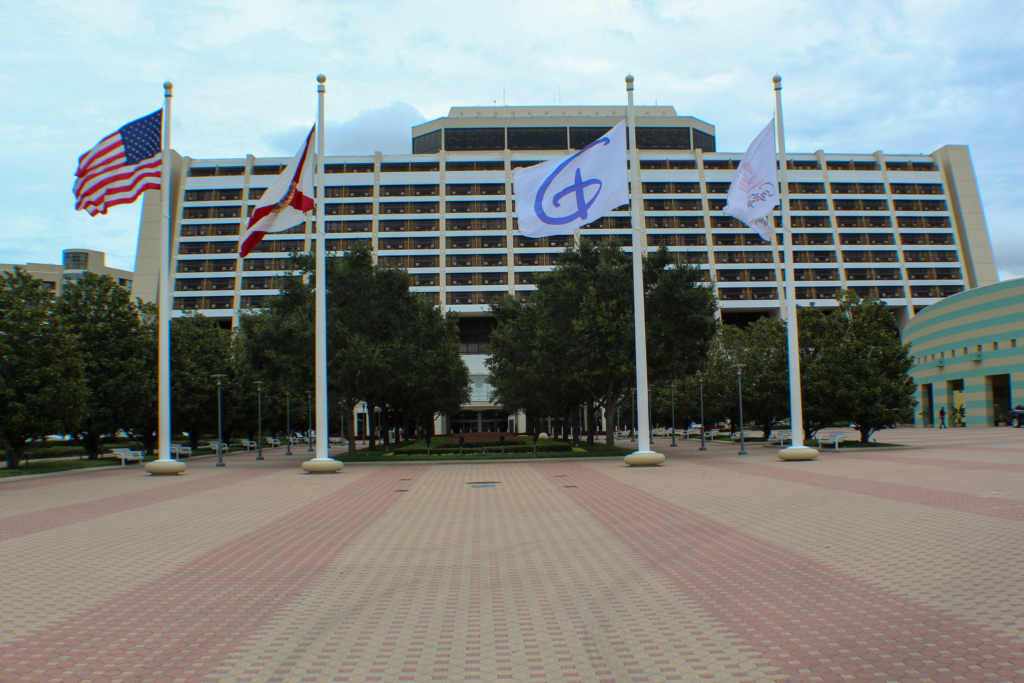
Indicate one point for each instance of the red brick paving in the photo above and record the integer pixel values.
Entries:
(1001, 508)
(814, 622)
(710, 568)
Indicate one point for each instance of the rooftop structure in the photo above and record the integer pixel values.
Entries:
(76, 263)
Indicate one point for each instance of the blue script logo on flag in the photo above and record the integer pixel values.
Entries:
(560, 195)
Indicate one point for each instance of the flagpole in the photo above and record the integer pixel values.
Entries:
(797, 450)
(164, 464)
(321, 462)
(643, 455)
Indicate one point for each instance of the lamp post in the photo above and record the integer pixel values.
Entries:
(700, 381)
(288, 399)
(672, 391)
(220, 431)
(309, 434)
(632, 416)
(376, 419)
(739, 387)
(259, 438)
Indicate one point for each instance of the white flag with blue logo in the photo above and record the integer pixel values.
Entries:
(560, 195)
(754, 191)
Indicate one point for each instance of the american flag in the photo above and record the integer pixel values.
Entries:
(122, 166)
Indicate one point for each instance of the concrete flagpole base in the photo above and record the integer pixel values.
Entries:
(644, 459)
(166, 466)
(798, 453)
(323, 465)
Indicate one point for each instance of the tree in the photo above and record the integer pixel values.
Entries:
(110, 329)
(861, 368)
(200, 347)
(42, 390)
(762, 348)
(578, 326)
(386, 345)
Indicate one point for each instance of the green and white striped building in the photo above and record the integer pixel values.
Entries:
(968, 352)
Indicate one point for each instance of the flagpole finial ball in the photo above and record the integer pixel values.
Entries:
(776, 79)
(321, 79)
(168, 87)
(629, 78)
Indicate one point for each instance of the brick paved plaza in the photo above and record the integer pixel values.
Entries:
(885, 566)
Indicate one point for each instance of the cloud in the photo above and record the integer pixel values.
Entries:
(386, 129)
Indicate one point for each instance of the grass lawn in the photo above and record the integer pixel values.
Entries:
(44, 466)
(379, 454)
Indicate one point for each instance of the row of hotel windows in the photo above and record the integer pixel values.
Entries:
(610, 223)
(500, 206)
(725, 294)
(967, 350)
(455, 190)
(646, 164)
(561, 241)
(552, 138)
(529, 278)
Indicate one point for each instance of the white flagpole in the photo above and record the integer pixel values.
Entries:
(321, 463)
(164, 464)
(797, 450)
(644, 455)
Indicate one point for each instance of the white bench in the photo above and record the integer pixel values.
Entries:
(274, 443)
(296, 440)
(127, 454)
(692, 431)
(746, 434)
(781, 437)
(178, 450)
(835, 438)
(337, 441)
(711, 434)
(249, 444)
(214, 444)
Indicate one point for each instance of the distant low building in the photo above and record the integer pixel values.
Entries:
(76, 263)
(969, 352)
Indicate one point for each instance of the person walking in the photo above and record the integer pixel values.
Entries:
(942, 418)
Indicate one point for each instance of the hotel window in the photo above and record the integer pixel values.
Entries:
(474, 139)
(428, 143)
(662, 138)
(537, 138)
(703, 141)
(581, 137)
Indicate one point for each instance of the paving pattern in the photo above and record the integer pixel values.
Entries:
(903, 565)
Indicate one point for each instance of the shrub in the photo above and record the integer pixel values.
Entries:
(480, 440)
(541, 448)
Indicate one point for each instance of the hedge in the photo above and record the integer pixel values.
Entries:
(480, 440)
(541, 448)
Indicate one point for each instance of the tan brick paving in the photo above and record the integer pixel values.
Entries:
(888, 566)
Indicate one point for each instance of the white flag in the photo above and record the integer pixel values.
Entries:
(560, 195)
(754, 191)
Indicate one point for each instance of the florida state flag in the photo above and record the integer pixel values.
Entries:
(286, 202)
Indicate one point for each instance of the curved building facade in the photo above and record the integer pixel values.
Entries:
(969, 351)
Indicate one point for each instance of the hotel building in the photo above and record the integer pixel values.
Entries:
(908, 228)
(76, 263)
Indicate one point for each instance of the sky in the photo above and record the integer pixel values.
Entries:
(858, 76)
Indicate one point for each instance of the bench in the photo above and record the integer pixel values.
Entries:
(296, 440)
(127, 454)
(780, 437)
(337, 441)
(274, 443)
(711, 434)
(746, 434)
(694, 431)
(835, 438)
(219, 444)
(178, 451)
(249, 444)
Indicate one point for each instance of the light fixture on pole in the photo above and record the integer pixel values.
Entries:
(220, 431)
(739, 388)
(700, 382)
(309, 434)
(259, 440)
(672, 390)
(288, 400)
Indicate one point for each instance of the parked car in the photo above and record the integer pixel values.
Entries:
(1016, 416)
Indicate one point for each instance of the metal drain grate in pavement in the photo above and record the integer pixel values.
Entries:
(483, 484)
